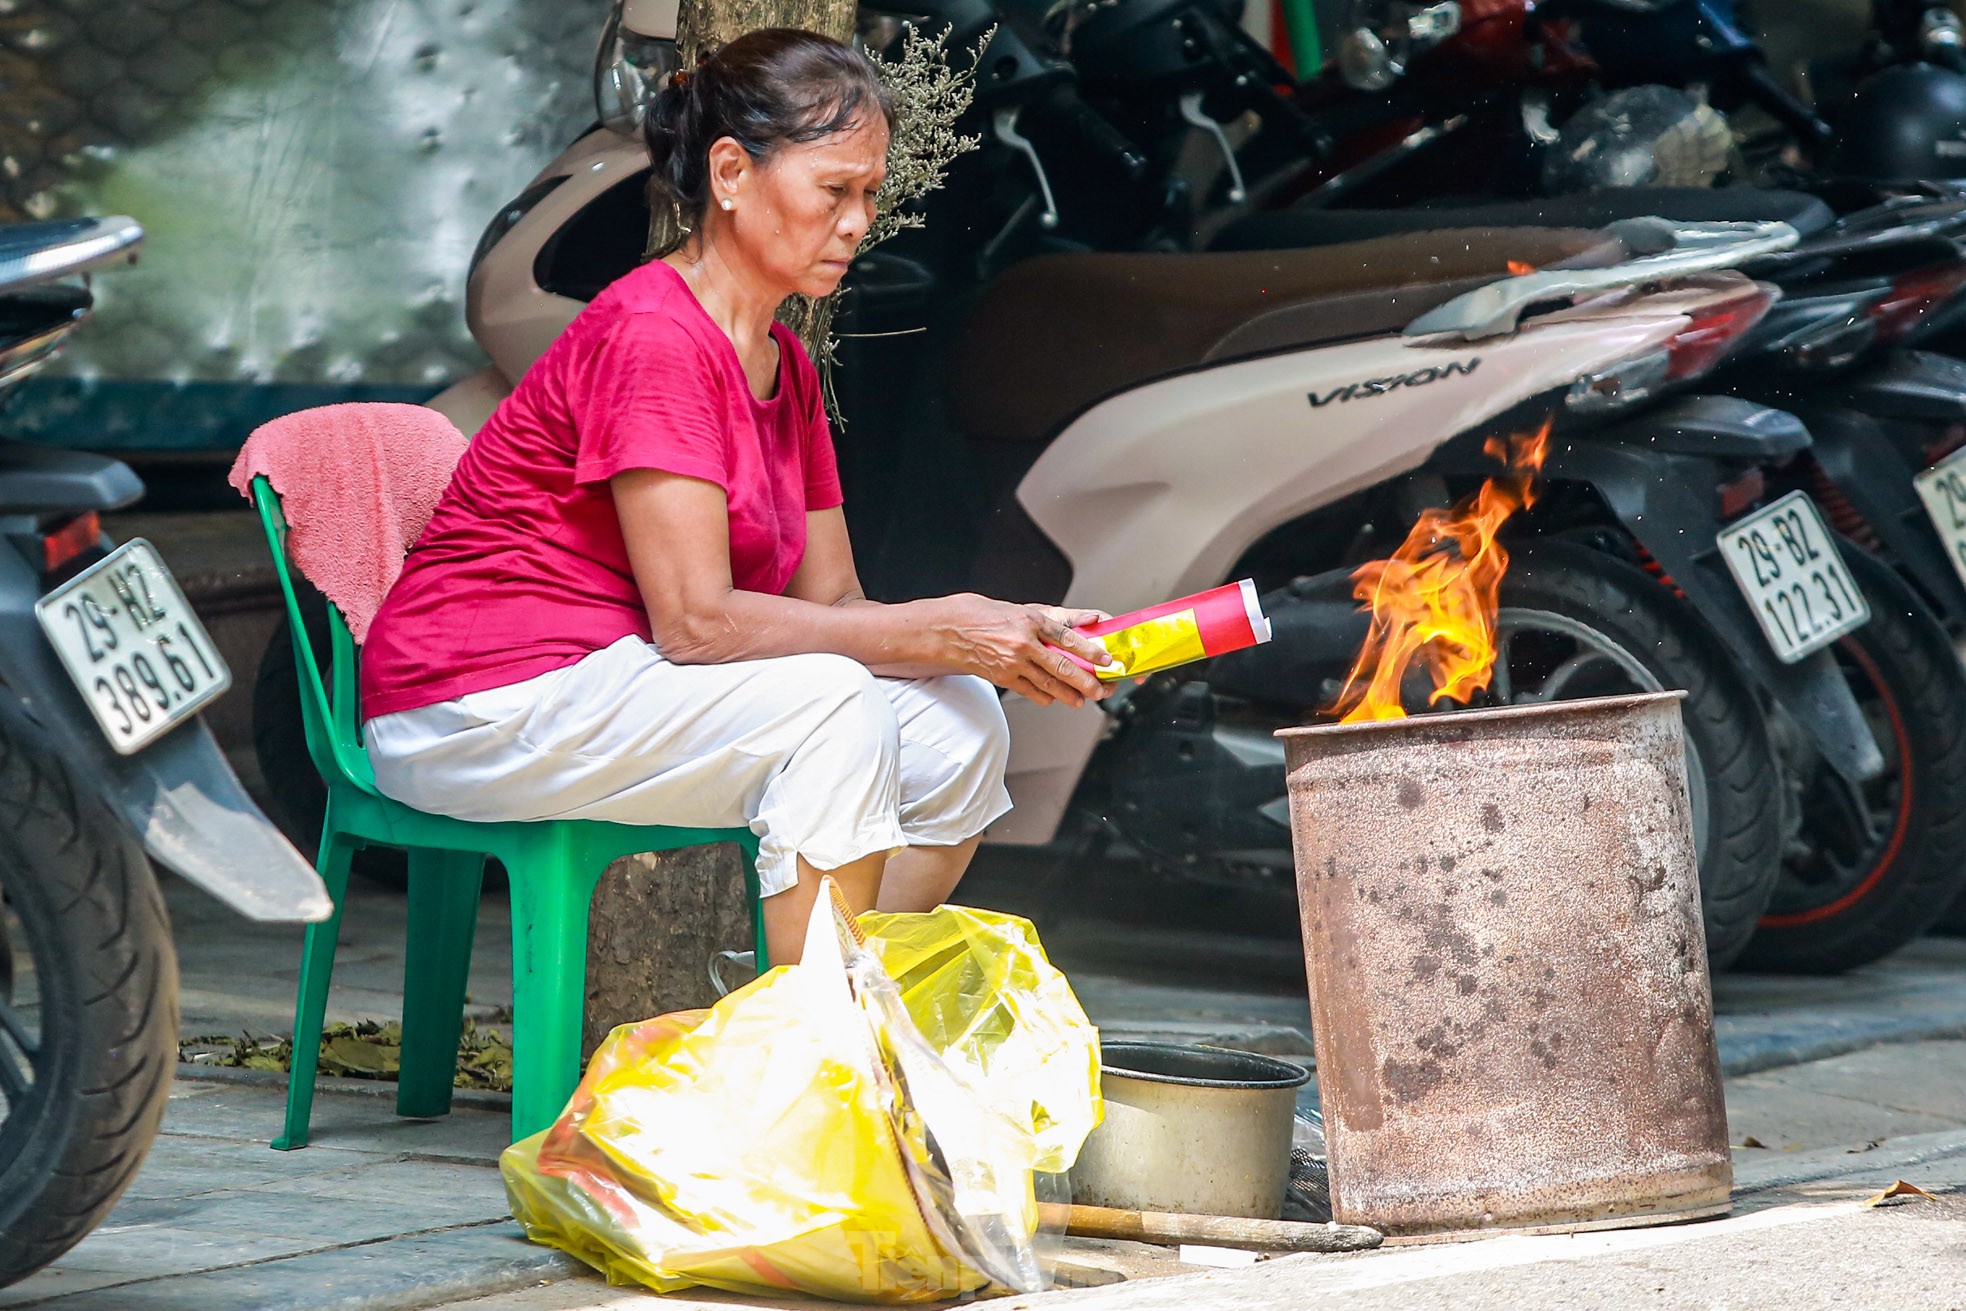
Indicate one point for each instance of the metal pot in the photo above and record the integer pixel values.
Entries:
(1193, 1129)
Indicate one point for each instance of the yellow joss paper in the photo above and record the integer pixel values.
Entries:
(1152, 644)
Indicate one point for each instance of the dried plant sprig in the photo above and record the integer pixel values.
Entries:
(930, 96)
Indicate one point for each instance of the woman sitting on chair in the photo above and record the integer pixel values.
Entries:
(637, 601)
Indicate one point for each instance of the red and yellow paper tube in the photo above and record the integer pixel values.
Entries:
(1212, 623)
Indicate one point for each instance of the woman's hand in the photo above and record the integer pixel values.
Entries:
(1011, 646)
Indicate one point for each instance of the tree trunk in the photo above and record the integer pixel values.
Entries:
(706, 24)
(657, 920)
(655, 923)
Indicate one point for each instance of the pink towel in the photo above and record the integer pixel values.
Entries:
(357, 483)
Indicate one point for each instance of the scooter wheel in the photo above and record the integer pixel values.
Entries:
(1577, 622)
(1882, 863)
(88, 1004)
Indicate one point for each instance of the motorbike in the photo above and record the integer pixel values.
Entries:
(1876, 870)
(1886, 121)
(1022, 417)
(105, 767)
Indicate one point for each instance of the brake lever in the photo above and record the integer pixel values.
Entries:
(1005, 123)
(1191, 111)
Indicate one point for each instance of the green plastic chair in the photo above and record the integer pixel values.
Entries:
(552, 867)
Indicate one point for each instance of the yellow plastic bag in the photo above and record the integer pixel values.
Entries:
(981, 990)
(803, 1136)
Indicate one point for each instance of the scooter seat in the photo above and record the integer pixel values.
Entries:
(1291, 229)
(1074, 329)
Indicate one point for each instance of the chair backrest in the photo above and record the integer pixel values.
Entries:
(329, 713)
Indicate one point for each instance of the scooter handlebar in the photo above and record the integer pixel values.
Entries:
(1091, 127)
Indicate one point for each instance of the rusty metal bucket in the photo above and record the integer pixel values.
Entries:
(1509, 992)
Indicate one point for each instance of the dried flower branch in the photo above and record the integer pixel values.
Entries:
(930, 96)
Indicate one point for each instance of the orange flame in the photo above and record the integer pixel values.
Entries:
(1435, 598)
(1518, 268)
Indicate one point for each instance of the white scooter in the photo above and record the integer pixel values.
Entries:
(1110, 429)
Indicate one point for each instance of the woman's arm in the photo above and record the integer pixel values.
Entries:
(677, 530)
(827, 576)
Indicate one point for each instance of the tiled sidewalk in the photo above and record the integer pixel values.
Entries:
(378, 1213)
(383, 1214)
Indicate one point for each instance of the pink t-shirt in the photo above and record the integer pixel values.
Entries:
(522, 569)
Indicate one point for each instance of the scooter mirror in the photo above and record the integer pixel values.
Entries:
(631, 61)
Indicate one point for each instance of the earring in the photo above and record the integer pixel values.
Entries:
(725, 202)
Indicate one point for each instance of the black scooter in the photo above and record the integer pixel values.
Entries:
(104, 767)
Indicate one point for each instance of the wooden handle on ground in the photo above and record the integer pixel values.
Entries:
(1213, 1230)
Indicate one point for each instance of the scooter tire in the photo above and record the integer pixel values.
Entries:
(105, 977)
(1724, 723)
(1908, 678)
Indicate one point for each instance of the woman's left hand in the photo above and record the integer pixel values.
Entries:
(1021, 648)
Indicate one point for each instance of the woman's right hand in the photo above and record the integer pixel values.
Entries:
(1012, 646)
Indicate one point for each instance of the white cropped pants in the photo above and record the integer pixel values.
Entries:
(816, 755)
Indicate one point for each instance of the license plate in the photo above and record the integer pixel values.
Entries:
(137, 653)
(1786, 563)
(1943, 489)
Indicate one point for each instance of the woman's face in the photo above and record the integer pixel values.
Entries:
(799, 216)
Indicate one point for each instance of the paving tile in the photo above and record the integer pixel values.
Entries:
(181, 1166)
(296, 1219)
(1931, 1083)
(254, 1114)
(1780, 1114)
(437, 1194)
(142, 1250)
(370, 1124)
(59, 1282)
(387, 1276)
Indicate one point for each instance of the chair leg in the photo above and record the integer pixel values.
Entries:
(750, 857)
(316, 969)
(549, 986)
(443, 916)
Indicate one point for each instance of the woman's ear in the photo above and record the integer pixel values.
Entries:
(729, 163)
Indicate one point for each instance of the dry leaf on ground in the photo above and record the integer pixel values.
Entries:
(1896, 1193)
(367, 1050)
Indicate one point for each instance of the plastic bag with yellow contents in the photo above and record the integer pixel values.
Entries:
(803, 1135)
(979, 987)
